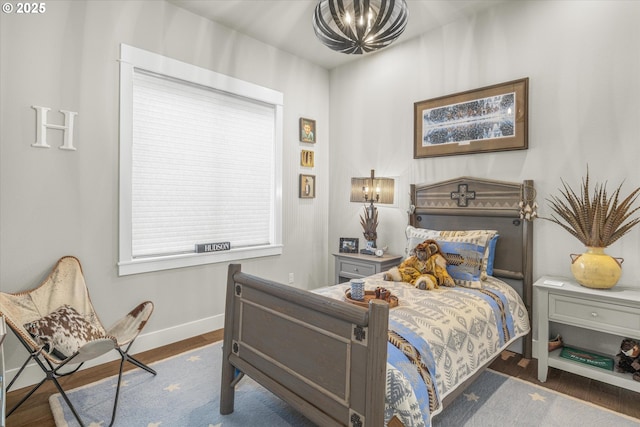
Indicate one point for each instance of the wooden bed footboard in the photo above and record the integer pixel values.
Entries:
(326, 358)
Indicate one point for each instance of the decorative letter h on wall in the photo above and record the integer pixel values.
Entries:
(42, 125)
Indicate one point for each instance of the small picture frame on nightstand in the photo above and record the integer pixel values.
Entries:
(349, 245)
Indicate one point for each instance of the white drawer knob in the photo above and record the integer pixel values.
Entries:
(594, 314)
(355, 269)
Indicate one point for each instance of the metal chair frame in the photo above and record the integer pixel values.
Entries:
(119, 337)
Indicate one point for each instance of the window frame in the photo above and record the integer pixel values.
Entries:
(132, 58)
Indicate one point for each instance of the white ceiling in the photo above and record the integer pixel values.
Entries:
(286, 24)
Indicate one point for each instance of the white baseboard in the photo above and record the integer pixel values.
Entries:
(32, 374)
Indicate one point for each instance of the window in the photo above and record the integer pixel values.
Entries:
(200, 163)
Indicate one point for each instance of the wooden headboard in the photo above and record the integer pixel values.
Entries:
(467, 203)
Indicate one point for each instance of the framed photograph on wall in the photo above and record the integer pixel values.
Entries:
(307, 186)
(492, 118)
(349, 245)
(307, 158)
(307, 130)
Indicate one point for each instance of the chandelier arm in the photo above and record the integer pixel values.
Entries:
(361, 30)
(392, 32)
(326, 34)
(337, 18)
(398, 25)
(334, 40)
(383, 14)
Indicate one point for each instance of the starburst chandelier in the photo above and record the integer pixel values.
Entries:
(359, 26)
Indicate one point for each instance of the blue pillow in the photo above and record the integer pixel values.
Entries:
(492, 254)
(464, 260)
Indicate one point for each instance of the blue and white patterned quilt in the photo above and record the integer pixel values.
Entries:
(439, 338)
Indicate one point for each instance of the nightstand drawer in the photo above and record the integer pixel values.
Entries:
(615, 318)
(354, 269)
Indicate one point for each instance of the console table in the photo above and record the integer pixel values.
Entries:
(356, 266)
(614, 311)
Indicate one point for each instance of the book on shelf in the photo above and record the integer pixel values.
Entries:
(587, 357)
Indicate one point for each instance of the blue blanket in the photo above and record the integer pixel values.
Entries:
(412, 355)
(499, 304)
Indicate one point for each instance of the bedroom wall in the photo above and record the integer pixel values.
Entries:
(582, 59)
(55, 203)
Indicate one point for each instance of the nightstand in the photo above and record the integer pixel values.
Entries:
(355, 266)
(615, 311)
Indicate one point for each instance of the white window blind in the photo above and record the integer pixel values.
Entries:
(203, 169)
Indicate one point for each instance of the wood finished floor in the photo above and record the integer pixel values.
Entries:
(35, 411)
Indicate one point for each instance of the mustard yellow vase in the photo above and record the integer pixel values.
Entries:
(595, 269)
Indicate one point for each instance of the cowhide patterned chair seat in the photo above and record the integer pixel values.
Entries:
(57, 324)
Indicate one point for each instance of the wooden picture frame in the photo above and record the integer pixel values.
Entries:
(492, 118)
(307, 158)
(349, 245)
(308, 130)
(307, 186)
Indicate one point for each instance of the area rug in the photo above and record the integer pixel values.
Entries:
(186, 391)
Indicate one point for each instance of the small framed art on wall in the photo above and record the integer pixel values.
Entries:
(307, 130)
(307, 186)
(307, 158)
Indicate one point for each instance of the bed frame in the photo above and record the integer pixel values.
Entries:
(327, 358)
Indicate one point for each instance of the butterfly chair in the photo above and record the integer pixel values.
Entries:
(60, 329)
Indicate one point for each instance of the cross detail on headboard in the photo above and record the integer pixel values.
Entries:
(463, 195)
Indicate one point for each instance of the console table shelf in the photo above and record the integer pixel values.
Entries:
(614, 311)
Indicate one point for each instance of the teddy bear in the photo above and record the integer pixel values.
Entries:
(425, 269)
(628, 360)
